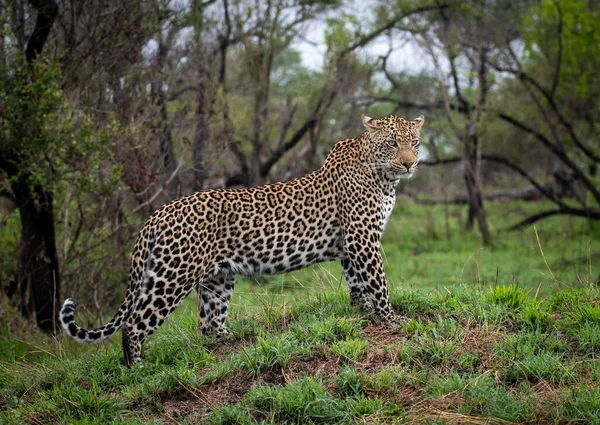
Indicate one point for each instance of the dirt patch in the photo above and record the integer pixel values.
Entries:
(547, 389)
(313, 366)
(197, 402)
(429, 414)
(550, 400)
(382, 347)
(402, 396)
(224, 348)
(317, 366)
(444, 408)
(380, 336)
(476, 338)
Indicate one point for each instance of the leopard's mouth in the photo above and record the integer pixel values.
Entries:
(403, 171)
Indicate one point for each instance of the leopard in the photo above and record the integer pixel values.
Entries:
(203, 241)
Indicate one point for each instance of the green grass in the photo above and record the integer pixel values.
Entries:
(320, 361)
(498, 331)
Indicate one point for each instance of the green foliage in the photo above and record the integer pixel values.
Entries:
(576, 26)
(10, 229)
(350, 349)
(29, 96)
(274, 351)
(434, 351)
(391, 380)
(582, 314)
(339, 34)
(588, 338)
(582, 405)
(509, 296)
(349, 382)
(56, 144)
(517, 347)
(305, 401)
(485, 398)
(230, 415)
(446, 385)
(325, 330)
(566, 301)
(535, 315)
(410, 302)
(544, 366)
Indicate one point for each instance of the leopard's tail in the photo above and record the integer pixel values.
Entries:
(134, 289)
(67, 320)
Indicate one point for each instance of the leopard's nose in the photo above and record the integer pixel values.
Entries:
(408, 164)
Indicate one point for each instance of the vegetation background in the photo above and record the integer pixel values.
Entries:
(110, 109)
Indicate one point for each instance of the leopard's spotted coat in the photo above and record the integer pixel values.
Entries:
(203, 240)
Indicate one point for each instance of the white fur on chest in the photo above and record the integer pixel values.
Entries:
(389, 200)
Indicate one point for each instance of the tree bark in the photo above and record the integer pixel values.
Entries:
(47, 10)
(38, 276)
(472, 176)
(165, 147)
(202, 134)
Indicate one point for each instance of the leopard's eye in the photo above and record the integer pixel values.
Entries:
(415, 142)
(392, 143)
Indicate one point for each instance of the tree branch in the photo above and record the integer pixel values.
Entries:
(589, 214)
(560, 48)
(504, 161)
(554, 149)
(276, 156)
(441, 161)
(519, 73)
(389, 76)
(46, 14)
(389, 25)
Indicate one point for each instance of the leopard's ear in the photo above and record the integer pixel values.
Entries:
(369, 123)
(418, 122)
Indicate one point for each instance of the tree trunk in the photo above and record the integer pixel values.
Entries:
(202, 131)
(472, 176)
(166, 147)
(37, 271)
(261, 114)
(476, 211)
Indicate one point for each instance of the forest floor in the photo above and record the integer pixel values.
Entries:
(466, 356)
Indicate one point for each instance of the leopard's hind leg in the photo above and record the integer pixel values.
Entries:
(214, 296)
(158, 301)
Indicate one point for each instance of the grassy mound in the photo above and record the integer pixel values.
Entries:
(493, 355)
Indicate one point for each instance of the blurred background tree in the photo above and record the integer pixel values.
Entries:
(110, 109)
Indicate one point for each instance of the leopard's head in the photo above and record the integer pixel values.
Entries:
(391, 144)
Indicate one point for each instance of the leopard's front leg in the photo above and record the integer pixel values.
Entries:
(366, 280)
(358, 297)
(362, 263)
